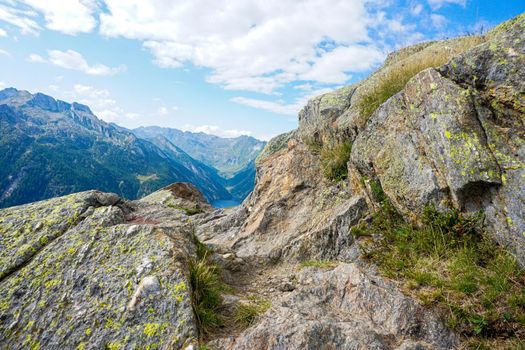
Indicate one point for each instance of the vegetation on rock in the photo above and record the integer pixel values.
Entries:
(206, 287)
(323, 264)
(334, 160)
(448, 262)
(246, 313)
(395, 79)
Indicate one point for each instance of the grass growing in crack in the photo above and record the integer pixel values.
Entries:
(395, 79)
(333, 157)
(246, 313)
(323, 264)
(206, 287)
(334, 160)
(202, 250)
(449, 263)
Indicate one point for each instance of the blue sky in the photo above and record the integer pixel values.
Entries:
(222, 67)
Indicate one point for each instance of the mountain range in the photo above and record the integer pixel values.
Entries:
(49, 147)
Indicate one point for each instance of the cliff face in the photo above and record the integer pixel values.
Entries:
(117, 274)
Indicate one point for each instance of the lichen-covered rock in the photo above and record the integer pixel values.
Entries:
(90, 271)
(344, 308)
(336, 116)
(456, 136)
(276, 144)
(180, 195)
(317, 119)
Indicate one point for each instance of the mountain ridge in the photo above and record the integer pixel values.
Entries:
(52, 147)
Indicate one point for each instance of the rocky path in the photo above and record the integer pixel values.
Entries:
(330, 305)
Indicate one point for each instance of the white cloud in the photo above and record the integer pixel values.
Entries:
(20, 18)
(5, 53)
(163, 110)
(436, 4)
(99, 101)
(252, 45)
(332, 67)
(71, 59)
(216, 130)
(3, 33)
(69, 17)
(416, 9)
(438, 21)
(280, 107)
(2, 85)
(34, 58)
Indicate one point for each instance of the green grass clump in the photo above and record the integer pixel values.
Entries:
(334, 160)
(246, 313)
(397, 77)
(449, 263)
(206, 287)
(323, 264)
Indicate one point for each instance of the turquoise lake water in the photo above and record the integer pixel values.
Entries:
(225, 203)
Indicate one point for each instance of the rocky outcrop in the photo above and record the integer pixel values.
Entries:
(455, 136)
(452, 137)
(91, 271)
(344, 308)
(291, 214)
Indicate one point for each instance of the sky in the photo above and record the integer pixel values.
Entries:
(229, 68)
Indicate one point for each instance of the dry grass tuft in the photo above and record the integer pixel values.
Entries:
(396, 78)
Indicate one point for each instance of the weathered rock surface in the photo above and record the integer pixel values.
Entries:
(456, 135)
(89, 271)
(93, 271)
(343, 308)
(452, 137)
(290, 214)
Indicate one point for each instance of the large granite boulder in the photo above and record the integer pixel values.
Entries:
(90, 271)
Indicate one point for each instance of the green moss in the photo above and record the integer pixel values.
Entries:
(114, 346)
(112, 324)
(187, 211)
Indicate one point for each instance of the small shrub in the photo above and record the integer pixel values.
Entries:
(395, 79)
(246, 313)
(449, 263)
(334, 160)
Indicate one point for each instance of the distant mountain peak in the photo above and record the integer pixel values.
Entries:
(17, 97)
